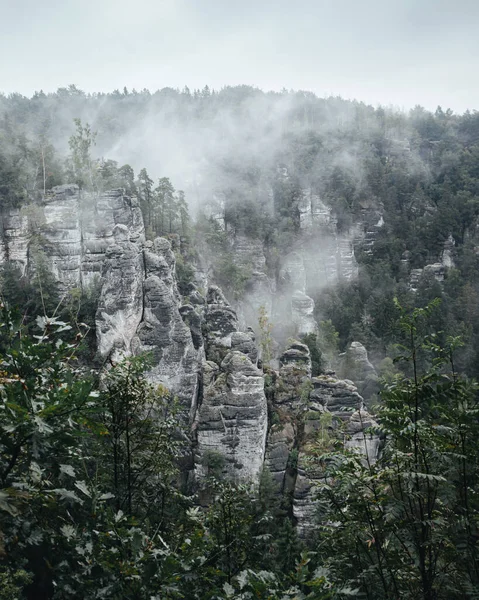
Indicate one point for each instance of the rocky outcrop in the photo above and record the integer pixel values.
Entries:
(279, 455)
(435, 270)
(220, 324)
(73, 229)
(335, 409)
(312, 210)
(199, 349)
(140, 307)
(357, 367)
(302, 314)
(307, 415)
(99, 217)
(15, 239)
(231, 422)
(293, 273)
(293, 380)
(250, 257)
(163, 332)
(120, 307)
(360, 438)
(447, 255)
(61, 231)
(245, 342)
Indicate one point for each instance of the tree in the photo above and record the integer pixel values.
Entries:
(184, 215)
(405, 526)
(139, 443)
(165, 210)
(41, 395)
(145, 190)
(61, 442)
(80, 144)
(126, 176)
(266, 338)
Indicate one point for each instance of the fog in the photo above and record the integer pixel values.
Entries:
(287, 174)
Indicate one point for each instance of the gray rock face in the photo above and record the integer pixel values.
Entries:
(293, 381)
(302, 313)
(220, 323)
(193, 319)
(15, 239)
(162, 330)
(198, 349)
(304, 505)
(249, 255)
(356, 366)
(335, 408)
(364, 443)
(338, 396)
(245, 342)
(447, 256)
(293, 273)
(62, 233)
(120, 307)
(88, 236)
(436, 270)
(280, 443)
(232, 420)
(76, 229)
(312, 210)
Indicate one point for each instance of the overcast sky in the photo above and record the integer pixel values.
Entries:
(400, 52)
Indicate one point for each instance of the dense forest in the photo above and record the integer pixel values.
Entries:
(417, 170)
(94, 501)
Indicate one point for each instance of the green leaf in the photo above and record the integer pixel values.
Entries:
(68, 470)
(229, 590)
(81, 485)
(67, 495)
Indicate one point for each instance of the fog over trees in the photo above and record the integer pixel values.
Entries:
(345, 243)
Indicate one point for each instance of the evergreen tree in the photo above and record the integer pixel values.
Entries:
(81, 162)
(145, 190)
(164, 207)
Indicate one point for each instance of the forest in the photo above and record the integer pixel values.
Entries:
(95, 497)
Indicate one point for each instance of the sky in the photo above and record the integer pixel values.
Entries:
(389, 52)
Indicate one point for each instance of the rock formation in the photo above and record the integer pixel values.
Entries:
(232, 417)
(120, 307)
(199, 349)
(335, 409)
(356, 366)
(308, 413)
(74, 230)
(163, 332)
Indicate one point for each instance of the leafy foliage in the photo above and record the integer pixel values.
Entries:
(405, 526)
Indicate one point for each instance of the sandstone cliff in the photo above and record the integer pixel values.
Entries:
(235, 415)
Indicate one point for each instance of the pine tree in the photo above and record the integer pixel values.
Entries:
(164, 206)
(80, 144)
(145, 190)
(183, 213)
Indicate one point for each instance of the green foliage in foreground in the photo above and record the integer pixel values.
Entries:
(406, 526)
(91, 504)
(90, 501)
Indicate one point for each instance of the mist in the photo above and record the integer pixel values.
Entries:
(200, 138)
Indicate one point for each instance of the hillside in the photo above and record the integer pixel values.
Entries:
(274, 298)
